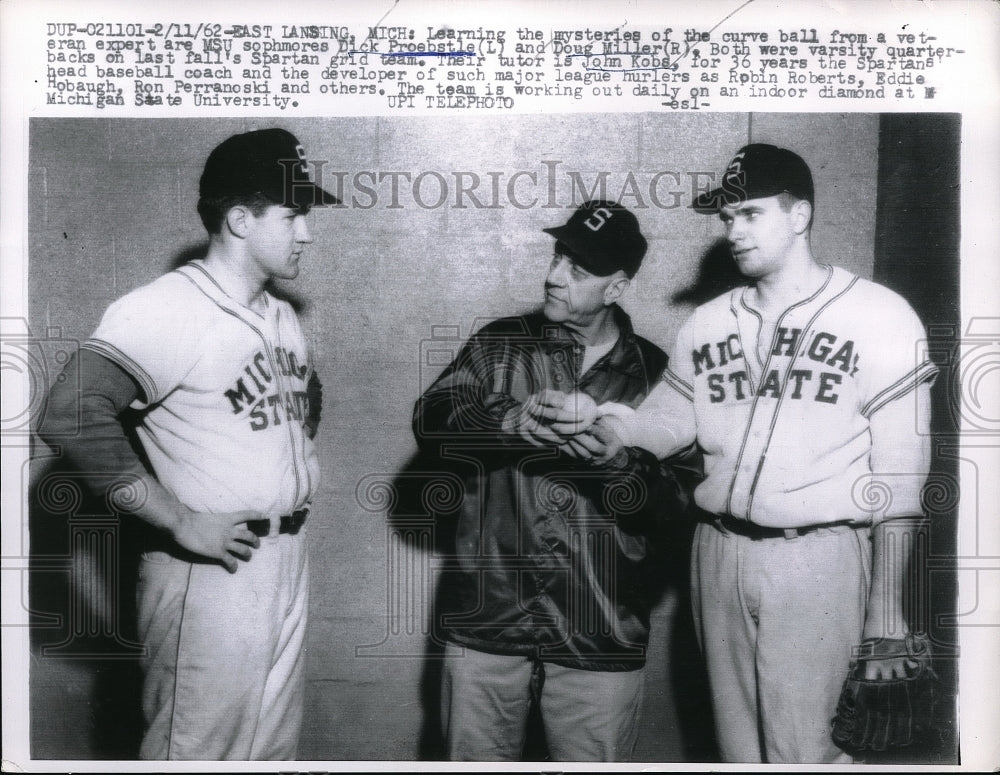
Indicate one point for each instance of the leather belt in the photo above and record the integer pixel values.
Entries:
(289, 523)
(755, 532)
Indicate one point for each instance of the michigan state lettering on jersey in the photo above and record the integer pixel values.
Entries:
(729, 379)
(260, 395)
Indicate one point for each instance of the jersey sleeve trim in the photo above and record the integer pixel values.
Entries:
(925, 372)
(113, 354)
(678, 384)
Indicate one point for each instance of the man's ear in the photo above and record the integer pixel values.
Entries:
(801, 216)
(238, 220)
(618, 285)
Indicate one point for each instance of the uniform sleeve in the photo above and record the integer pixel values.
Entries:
(896, 384)
(81, 418)
(899, 363)
(469, 399)
(151, 338)
(901, 453)
(664, 423)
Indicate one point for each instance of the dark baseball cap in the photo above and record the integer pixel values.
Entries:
(757, 171)
(270, 162)
(604, 237)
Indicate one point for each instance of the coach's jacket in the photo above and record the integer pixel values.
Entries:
(550, 556)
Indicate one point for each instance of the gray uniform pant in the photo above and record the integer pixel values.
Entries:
(225, 668)
(777, 618)
(588, 715)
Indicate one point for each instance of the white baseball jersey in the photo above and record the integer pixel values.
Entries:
(783, 417)
(225, 389)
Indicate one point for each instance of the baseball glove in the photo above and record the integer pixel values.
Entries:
(891, 711)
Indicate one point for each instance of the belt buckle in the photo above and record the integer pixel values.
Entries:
(292, 523)
(287, 523)
(259, 527)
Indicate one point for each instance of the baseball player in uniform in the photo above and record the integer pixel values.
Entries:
(805, 392)
(222, 377)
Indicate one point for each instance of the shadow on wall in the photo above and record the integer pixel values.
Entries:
(83, 641)
(413, 508)
(717, 273)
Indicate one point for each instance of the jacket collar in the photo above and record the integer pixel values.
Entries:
(621, 358)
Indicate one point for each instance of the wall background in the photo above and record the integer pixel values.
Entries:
(113, 206)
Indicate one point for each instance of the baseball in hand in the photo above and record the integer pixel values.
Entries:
(583, 406)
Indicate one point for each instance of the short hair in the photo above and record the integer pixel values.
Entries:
(786, 200)
(213, 209)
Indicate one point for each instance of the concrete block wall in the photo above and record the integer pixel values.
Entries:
(113, 206)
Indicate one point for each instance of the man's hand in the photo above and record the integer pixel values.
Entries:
(884, 706)
(888, 666)
(222, 537)
(579, 413)
(547, 417)
(599, 445)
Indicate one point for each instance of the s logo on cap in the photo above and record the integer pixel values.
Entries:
(596, 221)
(736, 165)
(301, 153)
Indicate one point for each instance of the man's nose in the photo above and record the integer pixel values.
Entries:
(302, 233)
(557, 272)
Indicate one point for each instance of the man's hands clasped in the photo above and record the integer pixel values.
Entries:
(570, 421)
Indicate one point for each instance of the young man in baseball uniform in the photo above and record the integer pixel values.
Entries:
(805, 392)
(547, 595)
(222, 377)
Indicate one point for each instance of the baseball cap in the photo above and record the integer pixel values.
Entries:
(270, 162)
(604, 237)
(759, 170)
